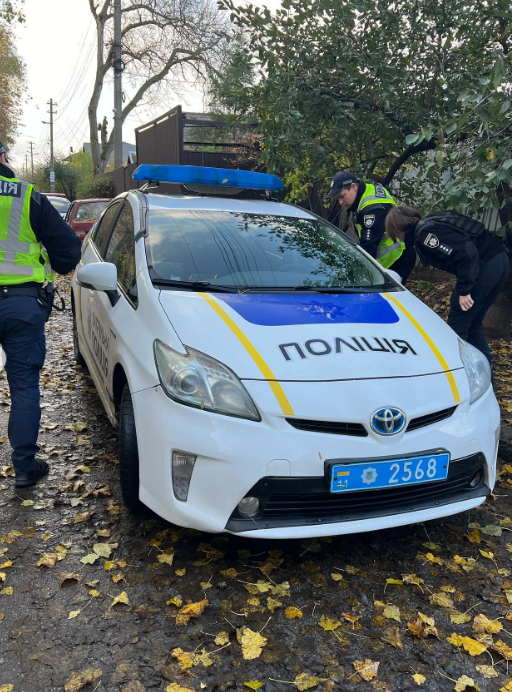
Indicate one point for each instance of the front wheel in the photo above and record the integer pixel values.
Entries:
(128, 453)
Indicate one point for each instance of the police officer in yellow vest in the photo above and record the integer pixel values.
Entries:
(27, 223)
(370, 204)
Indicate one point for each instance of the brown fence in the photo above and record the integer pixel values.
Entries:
(165, 140)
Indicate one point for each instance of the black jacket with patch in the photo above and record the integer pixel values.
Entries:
(456, 252)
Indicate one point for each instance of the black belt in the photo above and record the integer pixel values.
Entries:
(14, 291)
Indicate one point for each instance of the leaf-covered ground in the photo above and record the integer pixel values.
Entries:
(94, 598)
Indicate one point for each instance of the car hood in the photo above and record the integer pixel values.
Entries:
(308, 337)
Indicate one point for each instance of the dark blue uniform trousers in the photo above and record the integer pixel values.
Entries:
(22, 338)
(468, 325)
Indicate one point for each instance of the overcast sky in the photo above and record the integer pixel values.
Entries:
(57, 43)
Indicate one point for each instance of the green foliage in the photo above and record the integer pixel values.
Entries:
(11, 11)
(101, 187)
(374, 86)
(12, 86)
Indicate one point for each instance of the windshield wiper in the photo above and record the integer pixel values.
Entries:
(337, 289)
(198, 285)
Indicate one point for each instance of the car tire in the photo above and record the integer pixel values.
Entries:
(79, 359)
(128, 453)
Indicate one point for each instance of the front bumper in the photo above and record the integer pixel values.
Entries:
(235, 456)
(289, 502)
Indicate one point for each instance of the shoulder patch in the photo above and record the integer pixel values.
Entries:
(368, 220)
(431, 241)
(380, 192)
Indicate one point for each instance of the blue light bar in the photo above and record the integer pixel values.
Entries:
(202, 175)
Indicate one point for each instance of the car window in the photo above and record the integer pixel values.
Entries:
(243, 250)
(102, 232)
(89, 211)
(60, 204)
(121, 251)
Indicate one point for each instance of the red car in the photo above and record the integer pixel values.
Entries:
(83, 213)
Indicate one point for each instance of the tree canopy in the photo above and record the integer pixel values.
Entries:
(12, 86)
(374, 86)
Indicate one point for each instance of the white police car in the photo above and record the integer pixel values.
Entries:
(267, 376)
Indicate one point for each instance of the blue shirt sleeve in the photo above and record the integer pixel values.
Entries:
(60, 242)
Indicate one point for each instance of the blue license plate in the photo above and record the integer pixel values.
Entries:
(392, 473)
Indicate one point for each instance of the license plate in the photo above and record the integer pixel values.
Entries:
(392, 473)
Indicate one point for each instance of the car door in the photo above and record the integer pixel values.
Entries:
(94, 251)
(108, 321)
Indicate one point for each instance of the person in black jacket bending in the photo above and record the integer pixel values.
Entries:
(460, 246)
(33, 236)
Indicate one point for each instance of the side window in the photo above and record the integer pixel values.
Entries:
(121, 252)
(102, 232)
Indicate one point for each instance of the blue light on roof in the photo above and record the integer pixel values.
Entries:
(202, 175)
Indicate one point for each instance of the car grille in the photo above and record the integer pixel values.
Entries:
(329, 427)
(358, 429)
(430, 418)
(303, 501)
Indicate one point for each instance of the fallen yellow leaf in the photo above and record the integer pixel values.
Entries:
(392, 613)
(253, 684)
(122, 598)
(222, 638)
(78, 680)
(305, 682)
(463, 683)
(174, 687)
(419, 679)
(473, 647)
(252, 642)
(367, 669)
(191, 610)
(487, 671)
(482, 625)
(292, 613)
(328, 624)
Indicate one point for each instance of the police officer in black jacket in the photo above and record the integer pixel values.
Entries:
(464, 247)
(32, 236)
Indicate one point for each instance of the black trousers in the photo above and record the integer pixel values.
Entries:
(468, 325)
(23, 342)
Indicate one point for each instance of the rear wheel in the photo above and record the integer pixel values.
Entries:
(128, 453)
(79, 359)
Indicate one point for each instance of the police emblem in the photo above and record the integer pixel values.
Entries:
(431, 241)
(369, 220)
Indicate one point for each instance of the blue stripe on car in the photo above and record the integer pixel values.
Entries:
(272, 310)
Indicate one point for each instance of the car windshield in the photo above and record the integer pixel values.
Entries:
(60, 203)
(243, 250)
(89, 211)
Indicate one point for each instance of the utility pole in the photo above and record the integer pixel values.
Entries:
(32, 157)
(26, 164)
(118, 89)
(52, 161)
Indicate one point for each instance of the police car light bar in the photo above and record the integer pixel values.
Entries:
(202, 175)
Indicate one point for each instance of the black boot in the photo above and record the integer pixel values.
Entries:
(24, 479)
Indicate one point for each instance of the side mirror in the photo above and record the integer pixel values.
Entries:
(394, 275)
(98, 276)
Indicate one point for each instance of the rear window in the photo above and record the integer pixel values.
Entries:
(60, 204)
(254, 250)
(90, 211)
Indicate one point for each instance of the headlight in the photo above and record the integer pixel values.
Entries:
(477, 368)
(201, 381)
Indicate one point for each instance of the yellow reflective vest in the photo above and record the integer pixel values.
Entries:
(388, 251)
(22, 257)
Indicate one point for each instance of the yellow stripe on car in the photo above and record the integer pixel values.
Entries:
(267, 373)
(435, 350)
